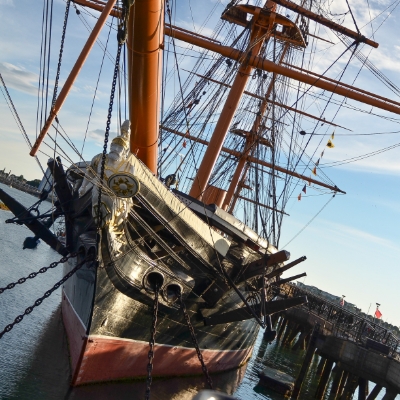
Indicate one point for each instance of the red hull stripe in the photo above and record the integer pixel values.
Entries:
(107, 358)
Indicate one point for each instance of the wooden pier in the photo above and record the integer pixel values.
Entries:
(353, 350)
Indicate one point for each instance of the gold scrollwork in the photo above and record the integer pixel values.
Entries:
(124, 185)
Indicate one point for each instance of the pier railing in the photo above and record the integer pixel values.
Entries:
(347, 324)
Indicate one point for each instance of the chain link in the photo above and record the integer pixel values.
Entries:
(106, 136)
(47, 294)
(196, 344)
(35, 274)
(61, 53)
(151, 344)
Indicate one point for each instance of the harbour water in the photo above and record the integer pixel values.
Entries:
(34, 361)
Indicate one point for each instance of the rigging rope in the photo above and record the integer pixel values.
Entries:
(309, 222)
(17, 119)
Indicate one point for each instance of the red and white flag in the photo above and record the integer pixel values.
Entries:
(342, 302)
(378, 314)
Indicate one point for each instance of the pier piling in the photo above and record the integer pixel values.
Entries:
(321, 366)
(342, 383)
(319, 394)
(306, 362)
(349, 387)
(282, 328)
(362, 389)
(339, 376)
(300, 343)
(375, 391)
(389, 395)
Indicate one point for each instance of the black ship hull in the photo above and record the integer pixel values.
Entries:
(117, 344)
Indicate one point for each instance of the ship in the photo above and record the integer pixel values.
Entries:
(171, 234)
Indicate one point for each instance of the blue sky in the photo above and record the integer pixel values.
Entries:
(352, 246)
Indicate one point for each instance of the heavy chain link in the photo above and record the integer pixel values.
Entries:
(151, 344)
(35, 274)
(61, 53)
(106, 136)
(47, 294)
(196, 344)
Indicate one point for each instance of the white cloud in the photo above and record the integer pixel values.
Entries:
(97, 136)
(19, 78)
(349, 236)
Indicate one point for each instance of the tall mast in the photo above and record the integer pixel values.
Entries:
(257, 37)
(242, 167)
(251, 139)
(145, 43)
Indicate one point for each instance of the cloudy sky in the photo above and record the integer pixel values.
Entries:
(353, 246)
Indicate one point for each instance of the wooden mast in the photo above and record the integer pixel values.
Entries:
(251, 139)
(145, 43)
(257, 37)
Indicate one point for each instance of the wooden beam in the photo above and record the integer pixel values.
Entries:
(273, 102)
(326, 22)
(342, 84)
(266, 65)
(262, 205)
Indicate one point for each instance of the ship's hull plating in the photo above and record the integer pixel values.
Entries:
(118, 342)
(97, 358)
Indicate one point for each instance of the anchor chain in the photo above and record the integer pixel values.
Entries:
(35, 274)
(61, 54)
(106, 136)
(47, 294)
(196, 344)
(151, 343)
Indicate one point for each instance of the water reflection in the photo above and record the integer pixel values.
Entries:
(47, 376)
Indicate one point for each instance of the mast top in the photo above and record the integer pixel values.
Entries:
(357, 36)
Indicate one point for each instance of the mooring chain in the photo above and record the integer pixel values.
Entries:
(47, 294)
(151, 344)
(35, 274)
(196, 344)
